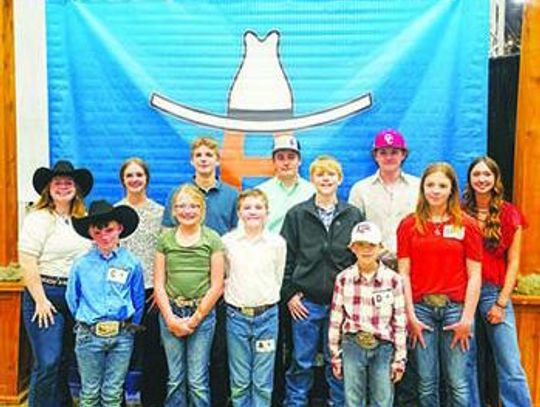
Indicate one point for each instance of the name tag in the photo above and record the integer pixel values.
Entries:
(117, 275)
(454, 232)
(383, 297)
(265, 346)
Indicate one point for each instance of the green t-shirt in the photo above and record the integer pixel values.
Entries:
(187, 269)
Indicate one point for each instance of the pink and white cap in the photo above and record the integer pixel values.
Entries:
(389, 138)
(366, 232)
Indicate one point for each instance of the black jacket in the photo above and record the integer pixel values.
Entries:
(315, 256)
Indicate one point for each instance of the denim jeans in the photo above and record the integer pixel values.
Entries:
(438, 356)
(513, 387)
(251, 343)
(367, 374)
(103, 365)
(188, 358)
(52, 349)
(306, 335)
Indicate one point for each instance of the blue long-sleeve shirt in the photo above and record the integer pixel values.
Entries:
(106, 288)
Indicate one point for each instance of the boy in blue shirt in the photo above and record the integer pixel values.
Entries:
(105, 294)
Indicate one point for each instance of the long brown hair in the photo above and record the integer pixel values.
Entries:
(422, 213)
(492, 223)
(77, 207)
(138, 161)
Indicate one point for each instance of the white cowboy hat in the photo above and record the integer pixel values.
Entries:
(260, 98)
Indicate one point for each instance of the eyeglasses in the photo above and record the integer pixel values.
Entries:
(183, 207)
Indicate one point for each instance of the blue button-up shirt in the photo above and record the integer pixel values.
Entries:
(93, 295)
(220, 207)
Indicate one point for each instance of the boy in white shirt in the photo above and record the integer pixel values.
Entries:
(256, 263)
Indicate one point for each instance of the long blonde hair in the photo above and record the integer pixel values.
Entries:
(77, 208)
(492, 224)
(422, 213)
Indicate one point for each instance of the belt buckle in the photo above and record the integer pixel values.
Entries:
(366, 340)
(248, 311)
(183, 302)
(106, 329)
(436, 300)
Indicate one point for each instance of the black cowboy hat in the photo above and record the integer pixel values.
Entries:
(82, 177)
(103, 211)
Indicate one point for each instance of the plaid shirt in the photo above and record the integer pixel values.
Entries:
(376, 305)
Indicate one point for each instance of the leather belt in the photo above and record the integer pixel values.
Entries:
(252, 311)
(54, 280)
(108, 329)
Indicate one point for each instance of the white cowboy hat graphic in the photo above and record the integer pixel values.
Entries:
(260, 98)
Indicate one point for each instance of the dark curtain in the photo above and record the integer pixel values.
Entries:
(502, 108)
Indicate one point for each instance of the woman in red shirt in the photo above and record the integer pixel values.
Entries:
(501, 224)
(439, 255)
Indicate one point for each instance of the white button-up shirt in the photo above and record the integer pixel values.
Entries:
(255, 268)
(385, 205)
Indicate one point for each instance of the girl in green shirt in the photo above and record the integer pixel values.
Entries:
(188, 280)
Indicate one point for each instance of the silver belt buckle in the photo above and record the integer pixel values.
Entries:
(184, 302)
(436, 300)
(366, 340)
(248, 311)
(107, 329)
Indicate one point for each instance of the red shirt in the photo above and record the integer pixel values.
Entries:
(438, 257)
(494, 261)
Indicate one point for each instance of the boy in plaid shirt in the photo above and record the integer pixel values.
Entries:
(367, 333)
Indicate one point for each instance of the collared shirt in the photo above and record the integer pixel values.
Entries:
(142, 242)
(375, 305)
(220, 207)
(386, 205)
(282, 198)
(53, 241)
(255, 268)
(106, 288)
(326, 216)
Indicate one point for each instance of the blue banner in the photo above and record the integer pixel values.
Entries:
(144, 78)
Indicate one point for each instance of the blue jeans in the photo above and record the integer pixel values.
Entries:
(251, 342)
(103, 365)
(52, 349)
(306, 335)
(437, 356)
(513, 387)
(367, 374)
(188, 357)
